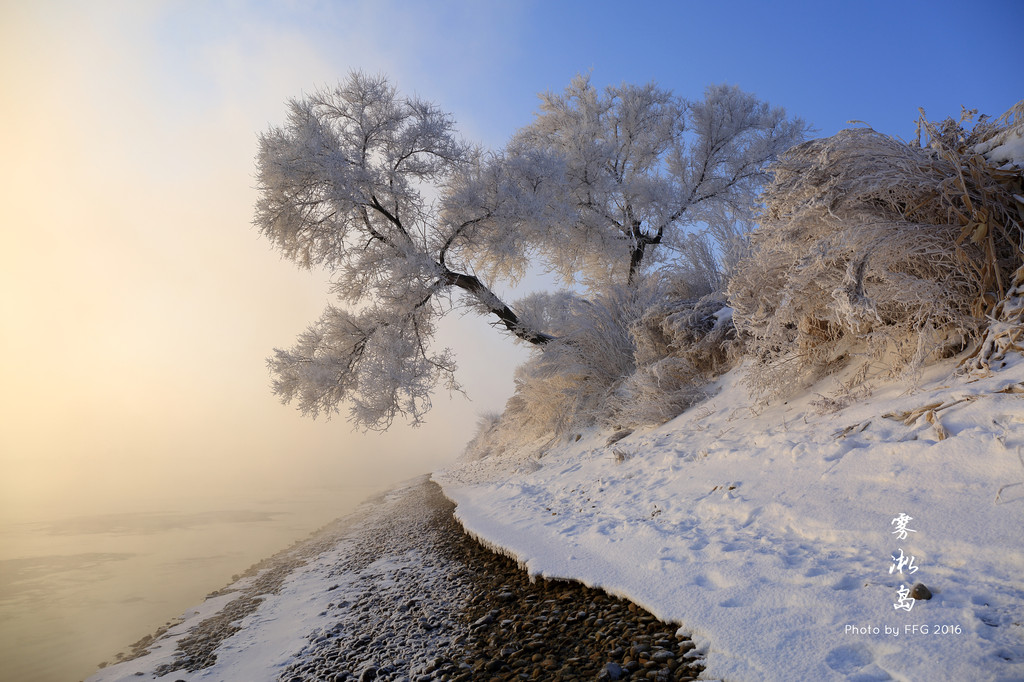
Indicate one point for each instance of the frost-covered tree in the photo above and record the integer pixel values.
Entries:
(602, 181)
(346, 183)
(632, 168)
(377, 188)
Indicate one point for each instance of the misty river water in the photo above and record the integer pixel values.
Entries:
(77, 590)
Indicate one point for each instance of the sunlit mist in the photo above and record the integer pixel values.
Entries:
(139, 304)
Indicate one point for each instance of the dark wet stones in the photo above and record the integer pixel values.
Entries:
(612, 671)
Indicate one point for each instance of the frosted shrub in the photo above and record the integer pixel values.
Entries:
(870, 245)
(627, 356)
(566, 385)
(680, 347)
(484, 441)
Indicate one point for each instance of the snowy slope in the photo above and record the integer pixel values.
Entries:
(768, 531)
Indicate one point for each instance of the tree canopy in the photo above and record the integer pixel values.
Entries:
(624, 171)
(379, 189)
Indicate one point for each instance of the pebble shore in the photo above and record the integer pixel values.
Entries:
(418, 600)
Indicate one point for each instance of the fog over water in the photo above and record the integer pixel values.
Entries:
(75, 591)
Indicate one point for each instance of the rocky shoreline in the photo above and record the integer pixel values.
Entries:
(417, 599)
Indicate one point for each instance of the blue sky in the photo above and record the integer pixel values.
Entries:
(139, 304)
(828, 62)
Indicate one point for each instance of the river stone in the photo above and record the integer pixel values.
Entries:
(919, 591)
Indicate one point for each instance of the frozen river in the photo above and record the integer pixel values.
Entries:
(77, 590)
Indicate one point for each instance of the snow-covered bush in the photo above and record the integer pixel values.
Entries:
(627, 356)
(567, 384)
(680, 347)
(871, 245)
(484, 441)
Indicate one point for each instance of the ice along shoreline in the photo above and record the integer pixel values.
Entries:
(397, 591)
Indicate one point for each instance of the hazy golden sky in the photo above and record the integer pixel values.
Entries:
(138, 304)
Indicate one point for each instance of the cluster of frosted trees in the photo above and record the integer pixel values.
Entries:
(604, 189)
(639, 201)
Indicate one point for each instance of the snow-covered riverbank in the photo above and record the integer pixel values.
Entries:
(787, 538)
(399, 592)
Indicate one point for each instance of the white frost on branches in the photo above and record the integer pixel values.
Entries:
(342, 185)
(873, 246)
(378, 189)
(381, 365)
(614, 174)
